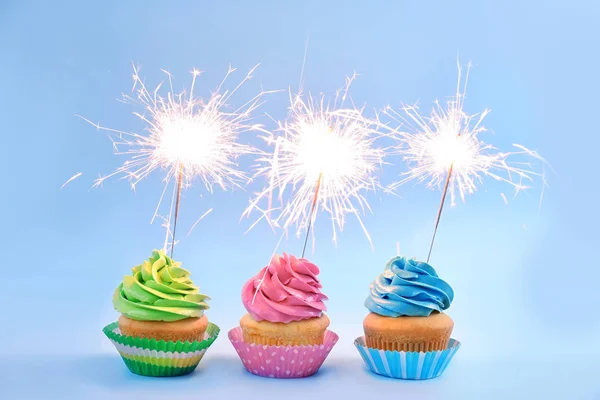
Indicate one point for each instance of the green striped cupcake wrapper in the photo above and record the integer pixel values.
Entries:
(151, 357)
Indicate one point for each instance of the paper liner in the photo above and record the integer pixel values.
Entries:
(152, 357)
(114, 334)
(282, 361)
(407, 364)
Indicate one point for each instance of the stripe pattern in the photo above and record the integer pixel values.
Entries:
(154, 358)
(407, 365)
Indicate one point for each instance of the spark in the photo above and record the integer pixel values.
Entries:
(71, 179)
(448, 140)
(199, 219)
(186, 136)
(323, 155)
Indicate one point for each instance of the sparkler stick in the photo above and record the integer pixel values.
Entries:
(439, 214)
(312, 212)
(177, 201)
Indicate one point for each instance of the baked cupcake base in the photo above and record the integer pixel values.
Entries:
(297, 333)
(188, 329)
(419, 334)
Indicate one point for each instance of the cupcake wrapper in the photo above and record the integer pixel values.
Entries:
(152, 357)
(282, 361)
(407, 364)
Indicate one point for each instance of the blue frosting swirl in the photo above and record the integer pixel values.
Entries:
(408, 287)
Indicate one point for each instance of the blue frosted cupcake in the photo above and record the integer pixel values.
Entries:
(406, 304)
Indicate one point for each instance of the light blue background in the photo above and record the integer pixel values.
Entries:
(525, 278)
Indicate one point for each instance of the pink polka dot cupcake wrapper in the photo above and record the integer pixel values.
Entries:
(282, 361)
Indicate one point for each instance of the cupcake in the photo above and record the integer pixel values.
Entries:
(285, 304)
(406, 304)
(162, 329)
(159, 301)
(407, 336)
(284, 334)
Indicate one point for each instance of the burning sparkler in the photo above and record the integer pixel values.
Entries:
(185, 136)
(445, 148)
(325, 157)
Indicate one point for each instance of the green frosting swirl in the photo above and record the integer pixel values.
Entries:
(159, 290)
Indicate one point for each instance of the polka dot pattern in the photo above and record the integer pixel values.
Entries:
(282, 361)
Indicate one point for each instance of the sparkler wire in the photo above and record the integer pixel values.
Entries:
(177, 201)
(312, 212)
(439, 214)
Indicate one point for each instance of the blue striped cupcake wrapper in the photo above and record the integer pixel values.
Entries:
(407, 364)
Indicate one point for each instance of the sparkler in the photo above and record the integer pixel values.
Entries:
(445, 148)
(187, 137)
(325, 158)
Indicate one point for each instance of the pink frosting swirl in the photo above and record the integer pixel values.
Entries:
(289, 292)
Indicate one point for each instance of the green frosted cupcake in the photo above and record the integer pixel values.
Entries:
(162, 329)
(159, 301)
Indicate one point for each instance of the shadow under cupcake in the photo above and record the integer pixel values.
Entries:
(284, 334)
(162, 330)
(407, 335)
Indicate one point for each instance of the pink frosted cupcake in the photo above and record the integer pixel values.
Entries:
(285, 314)
(285, 304)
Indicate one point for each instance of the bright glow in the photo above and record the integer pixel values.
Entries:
(184, 135)
(322, 143)
(450, 136)
(449, 148)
